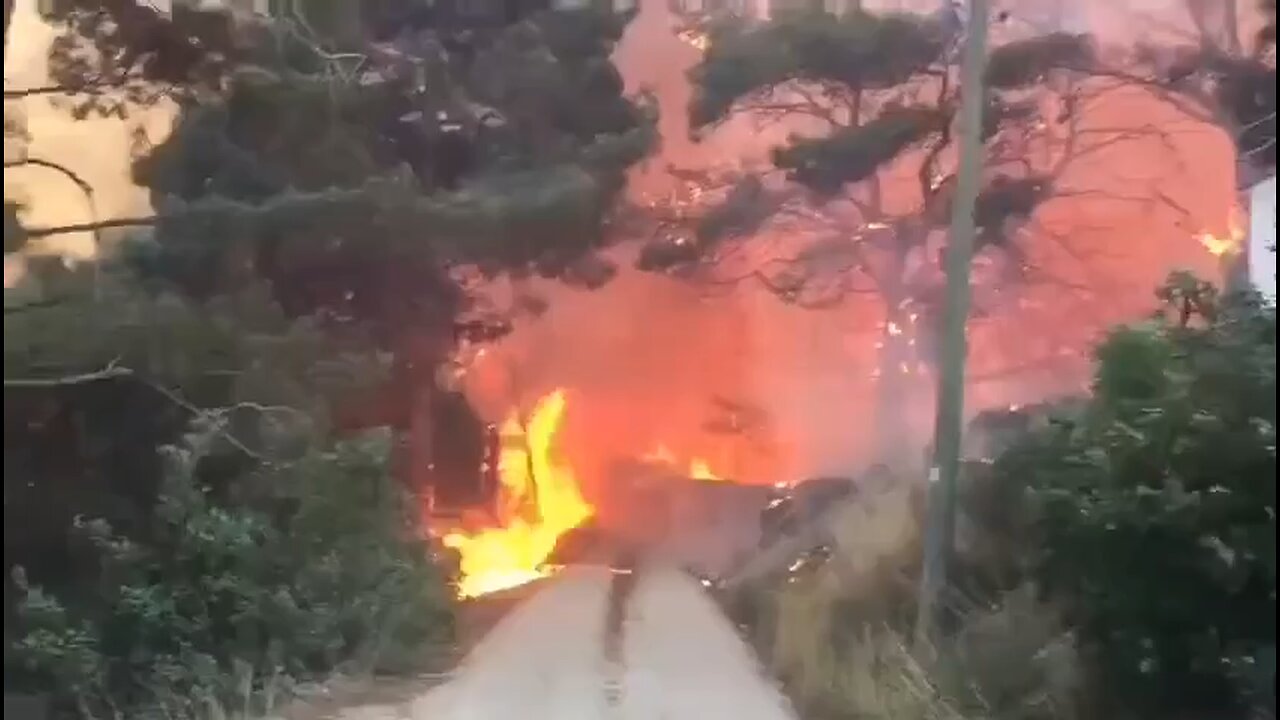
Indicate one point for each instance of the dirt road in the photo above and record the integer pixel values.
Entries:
(664, 652)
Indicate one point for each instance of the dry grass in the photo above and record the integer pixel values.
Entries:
(836, 640)
(873, 676)
(867, 672)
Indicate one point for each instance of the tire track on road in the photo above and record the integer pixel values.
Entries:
(636, 642)
(621, 588)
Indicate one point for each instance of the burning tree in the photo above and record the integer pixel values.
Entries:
(883, 86)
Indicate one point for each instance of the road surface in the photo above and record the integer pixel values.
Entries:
(591, 645)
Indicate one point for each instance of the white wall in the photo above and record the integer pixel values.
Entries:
(1262, 237)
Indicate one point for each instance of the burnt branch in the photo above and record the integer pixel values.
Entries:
(92, 227)
(45, 90)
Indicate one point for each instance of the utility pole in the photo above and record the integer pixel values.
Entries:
(944, 468)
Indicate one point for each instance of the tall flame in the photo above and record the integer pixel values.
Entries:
(539, 500)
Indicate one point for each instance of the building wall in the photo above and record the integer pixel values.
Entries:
(1262, 237)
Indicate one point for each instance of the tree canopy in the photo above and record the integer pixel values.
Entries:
(182, 487)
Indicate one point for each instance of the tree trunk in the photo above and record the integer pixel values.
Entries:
(421, 434)
(416, 358)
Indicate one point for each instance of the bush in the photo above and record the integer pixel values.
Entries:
(1119, 552)
(1154, 509)
(301, 570)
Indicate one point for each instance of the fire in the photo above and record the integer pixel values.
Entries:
(539, 500)
(1219, 246)
(699, 468)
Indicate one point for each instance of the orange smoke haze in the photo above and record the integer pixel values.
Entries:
(653, 361)
(765, 392)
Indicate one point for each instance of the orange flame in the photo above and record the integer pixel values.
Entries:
(1232, 242)
(700, 469)
(539, 500)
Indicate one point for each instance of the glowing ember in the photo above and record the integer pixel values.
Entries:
(539, 500)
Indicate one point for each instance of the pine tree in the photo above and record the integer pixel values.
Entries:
(363, 185)
(884, 85)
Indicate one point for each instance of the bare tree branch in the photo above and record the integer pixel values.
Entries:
(112, 370)
(218, 415)
(42, 90)
(75, 178)
(92, 227)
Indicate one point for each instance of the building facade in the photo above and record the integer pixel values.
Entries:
(1260, 252)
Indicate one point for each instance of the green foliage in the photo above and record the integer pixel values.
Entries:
(1154, 507)
(857, 50)
(581, 35)
(746, 206)
(739, 61)
(849, 155)
(885, 69)
(1026, 62)
(1005, 198)
(299, 178)
(1120, 550)
(316, 565)
(235, 347)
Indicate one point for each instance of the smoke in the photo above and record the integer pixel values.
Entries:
(648, 359)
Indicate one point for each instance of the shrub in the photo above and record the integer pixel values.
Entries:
(304, 569)
(1154, 509)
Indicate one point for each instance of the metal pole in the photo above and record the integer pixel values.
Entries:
(945, 467)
